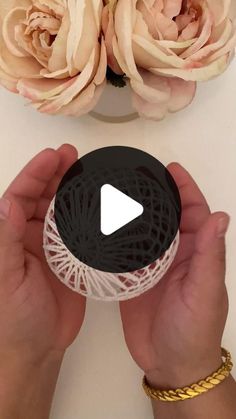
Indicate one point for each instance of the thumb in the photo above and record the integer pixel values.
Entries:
(207, 268)
(12, 230)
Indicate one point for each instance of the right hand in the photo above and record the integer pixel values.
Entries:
(174, 330)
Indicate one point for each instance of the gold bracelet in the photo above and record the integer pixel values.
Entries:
(193, 390)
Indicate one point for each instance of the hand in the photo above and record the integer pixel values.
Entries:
(174, 331)
(39, 316)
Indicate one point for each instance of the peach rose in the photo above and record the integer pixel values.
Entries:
(109, 32)
(165, 46)
(52, 52)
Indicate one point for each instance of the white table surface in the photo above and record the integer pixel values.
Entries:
(99, 380)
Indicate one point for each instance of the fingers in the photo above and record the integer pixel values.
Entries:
(42, 208)
(195, 209)
(68, 155)
(185, 250)
(12, 229)
(190, 192)
(37, 183)
(29, 185)
(207, 269)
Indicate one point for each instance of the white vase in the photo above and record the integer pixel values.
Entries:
(115, 105)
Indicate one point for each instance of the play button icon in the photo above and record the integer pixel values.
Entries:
(117, 209)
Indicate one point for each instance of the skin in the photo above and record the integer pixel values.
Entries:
(183, 315)
(39, 317)
(174, 331)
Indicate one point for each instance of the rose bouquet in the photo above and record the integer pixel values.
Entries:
(60, 54)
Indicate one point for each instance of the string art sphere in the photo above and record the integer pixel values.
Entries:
(134, 258)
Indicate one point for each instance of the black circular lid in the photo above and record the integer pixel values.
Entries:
(78, 209)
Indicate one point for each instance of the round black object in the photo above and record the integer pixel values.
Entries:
(138, 243)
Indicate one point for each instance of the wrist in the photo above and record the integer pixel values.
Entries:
(177, 375)
(27, 387)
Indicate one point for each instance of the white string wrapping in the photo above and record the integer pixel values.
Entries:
(96, 284)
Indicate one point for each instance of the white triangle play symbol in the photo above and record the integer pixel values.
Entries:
(117, 209)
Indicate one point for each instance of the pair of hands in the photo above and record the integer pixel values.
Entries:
(173, 331)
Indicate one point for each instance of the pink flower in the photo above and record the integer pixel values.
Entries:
(56, 52)
(165, 46)
(109, 32)
(52, 53)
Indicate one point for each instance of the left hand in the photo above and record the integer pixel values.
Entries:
(38, 314)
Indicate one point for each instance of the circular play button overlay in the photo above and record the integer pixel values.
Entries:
(117, 209)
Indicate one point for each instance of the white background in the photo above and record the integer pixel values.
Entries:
(98, 379)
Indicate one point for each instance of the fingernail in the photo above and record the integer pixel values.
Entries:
(5, 206)
(222, 227)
